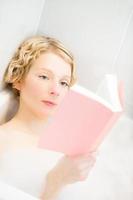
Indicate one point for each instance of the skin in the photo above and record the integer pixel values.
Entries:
(40, 84)
(25, 128)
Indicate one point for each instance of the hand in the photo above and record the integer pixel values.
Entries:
(72, 169)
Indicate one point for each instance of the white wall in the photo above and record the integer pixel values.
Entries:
(100, 35)
(18, 19)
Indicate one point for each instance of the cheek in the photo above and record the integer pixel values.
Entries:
(34, 89)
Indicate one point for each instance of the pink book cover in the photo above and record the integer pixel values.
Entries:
(80, 124)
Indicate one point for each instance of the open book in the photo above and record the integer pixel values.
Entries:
(83, 119)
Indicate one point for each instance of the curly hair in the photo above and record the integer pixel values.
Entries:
(28, 51)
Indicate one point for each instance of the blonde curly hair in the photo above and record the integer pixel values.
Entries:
(28, 51)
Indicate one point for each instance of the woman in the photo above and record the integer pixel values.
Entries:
(41, 71)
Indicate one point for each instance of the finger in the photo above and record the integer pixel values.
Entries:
(85, 160)
(91, 153)
(86, 167)
(85, 173)
(83, 154)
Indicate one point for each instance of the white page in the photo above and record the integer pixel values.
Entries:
(78, 88)
(108, 90)
(107, 93)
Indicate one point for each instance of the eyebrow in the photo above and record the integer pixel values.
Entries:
(44, 69)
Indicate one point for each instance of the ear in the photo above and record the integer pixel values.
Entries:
(17, 85)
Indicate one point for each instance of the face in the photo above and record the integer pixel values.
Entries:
(47, 80)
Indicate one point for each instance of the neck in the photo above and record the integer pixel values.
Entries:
(27, 122)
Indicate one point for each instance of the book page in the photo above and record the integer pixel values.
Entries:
(106, 94)
(88, 93)
(108, 90)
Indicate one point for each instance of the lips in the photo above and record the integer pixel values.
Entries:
(49, 103)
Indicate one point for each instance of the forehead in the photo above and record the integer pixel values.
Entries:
(52, 63)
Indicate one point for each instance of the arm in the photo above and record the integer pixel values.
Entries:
(67, 171)
(53, 187)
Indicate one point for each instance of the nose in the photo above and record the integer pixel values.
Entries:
(54, 90)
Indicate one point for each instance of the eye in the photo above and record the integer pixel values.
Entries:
(65, 83)
(43, 77)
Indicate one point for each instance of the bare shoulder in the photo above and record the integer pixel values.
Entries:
(2, 131)
(3, 138)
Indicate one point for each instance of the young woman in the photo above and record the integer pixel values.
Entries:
(39, 75)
